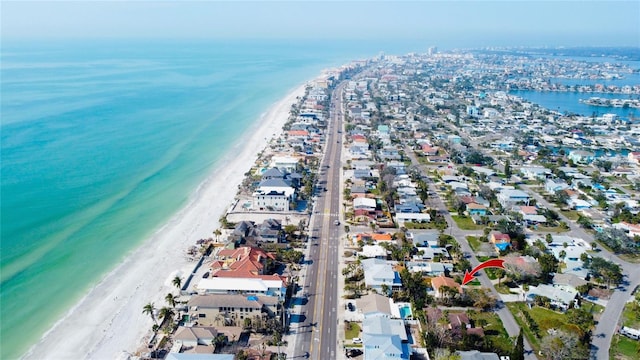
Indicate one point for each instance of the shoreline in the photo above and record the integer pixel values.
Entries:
(108, 322)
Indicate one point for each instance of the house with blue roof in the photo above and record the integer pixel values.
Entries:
(378, 272)
(384, 338)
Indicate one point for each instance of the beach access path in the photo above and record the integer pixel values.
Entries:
(108, 322)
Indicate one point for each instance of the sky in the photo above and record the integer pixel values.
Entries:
(456, 23)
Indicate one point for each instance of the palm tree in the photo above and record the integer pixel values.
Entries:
(171, 300)
(177, 281)
(166, 313)
(150, 309)
(217, 233)
(219, 340)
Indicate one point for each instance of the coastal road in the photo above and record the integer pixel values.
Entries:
(508, 321)
(318, 335)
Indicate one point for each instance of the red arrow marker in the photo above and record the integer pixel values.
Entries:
(468, 276)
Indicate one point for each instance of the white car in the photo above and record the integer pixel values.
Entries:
(336, 223)
(357, 341)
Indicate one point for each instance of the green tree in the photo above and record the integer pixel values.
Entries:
(518, 351)
(507, 169)
(170, 299)
(177, 282)
(150, 309)
(219, 341)
(166, 313)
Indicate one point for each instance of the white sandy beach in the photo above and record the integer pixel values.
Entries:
(109, 321)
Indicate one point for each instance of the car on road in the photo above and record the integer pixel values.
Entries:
(336, 223)
(357, 341)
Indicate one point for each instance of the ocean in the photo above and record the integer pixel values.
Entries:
(102, 142)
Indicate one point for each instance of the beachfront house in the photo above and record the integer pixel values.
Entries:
(275, 192)
(227, 309)
(195, 335)
(263, 285)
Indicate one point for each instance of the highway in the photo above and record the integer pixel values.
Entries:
(318, 339)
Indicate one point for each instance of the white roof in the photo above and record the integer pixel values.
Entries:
(239, 284)
(361, 202)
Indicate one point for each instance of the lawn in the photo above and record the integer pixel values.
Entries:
(351, 330)
(570, 214)
(474, 242)
(631, 315)
(503, 289)
(544, 318)
(623, 348)
(494, 330)
(551, 229)
(465, 223)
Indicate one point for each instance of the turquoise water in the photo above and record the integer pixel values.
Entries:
(405, 312)
(102, 142)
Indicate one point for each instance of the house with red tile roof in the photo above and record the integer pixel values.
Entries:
(440, 282)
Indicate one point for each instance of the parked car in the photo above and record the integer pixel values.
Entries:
(206, 275)
(357, 341)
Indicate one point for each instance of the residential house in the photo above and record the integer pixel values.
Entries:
(429, 268)
(247, 260)
(243, 232)
(402, 218)
(424, 239)
(270, 231)
(551, 186)
(374, 303)
(581, 156)
(384, 338)
(476, 209)
(501, 241)
(285, 163)
(220, 309)
(632, 230)
(274, 192)
(457, 321)
(271, 285)
(535, 172)
(377, 238)
(195, 335)
(568, 282)
(379, 272)
(439, 283)
(510, 197)
(373, 251)
(560, 298)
